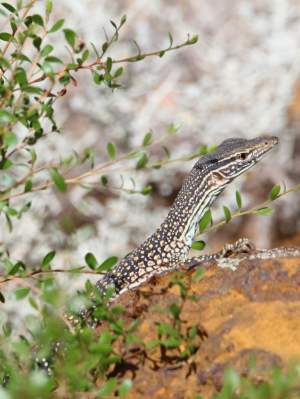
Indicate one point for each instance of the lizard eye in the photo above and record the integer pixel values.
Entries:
(214, 160)
(243, 155)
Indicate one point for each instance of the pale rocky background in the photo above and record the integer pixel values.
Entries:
(241, 79)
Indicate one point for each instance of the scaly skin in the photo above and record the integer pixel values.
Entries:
(169, 246)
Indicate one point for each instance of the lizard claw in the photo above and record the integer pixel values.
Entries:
(241, 247)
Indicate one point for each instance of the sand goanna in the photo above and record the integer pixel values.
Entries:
(168, 247)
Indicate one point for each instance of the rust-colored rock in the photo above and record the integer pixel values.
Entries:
(251, 313)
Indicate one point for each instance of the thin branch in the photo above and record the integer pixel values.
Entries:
(99, 63)
(27, 9)
(37, 273)
(250, 211)
(139, 57)
(98, 170)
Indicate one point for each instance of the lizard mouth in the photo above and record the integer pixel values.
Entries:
(264, 147)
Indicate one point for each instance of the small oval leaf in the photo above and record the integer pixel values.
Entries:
(91, 261)
(6, 117)
(58, 180)
(264, 211)
(70, 36)
(274, 193)
(227, 214)
(107, 264)
(21, 293)
(198, 245)
(238, 199)
(111, 149)
(57, 26)
(147, 139)
(142, 162)
(205, 221)
(48, 258)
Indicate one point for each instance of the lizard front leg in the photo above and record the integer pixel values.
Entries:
(231, 255)
(242, 248)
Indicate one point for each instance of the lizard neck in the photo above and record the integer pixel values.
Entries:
(182, 220)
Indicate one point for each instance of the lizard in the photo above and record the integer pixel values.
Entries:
(168, 247)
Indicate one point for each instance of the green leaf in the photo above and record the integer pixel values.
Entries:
(33, 155)
(85, 55)
(111, 149)
(10, 139)
(9, 7)
(104, 180)
(49, 7)
(21, 77)
(54, 60)
(104, 47)
(33, 303)
(12, 212)
(6, 164)
(4, 63)
(198, 274)
(20, 56)
(65, 79)
(58, 180)
(274, 193)
(264, 211)
(91, 261)
(107, 264)
(227, 214)
(5, 36)
(198, 245)
(47, 50)
(142, 162)
(170, 39)
(37, 19)
(13, 26)
(21, 293)
(57, 26)
(32, 90)
(14, 270)
(123, 20)
(205, 221)
(70, 36)
(147, 139)
(108, 64)
(107, 77)
(238, 199)
(97, 77)
(147, 190)
(118, 72)
(28, 186)
(173, 128)
(48, 259)
(37, 41)
(192, 40)
(108, 387)
(125, 387)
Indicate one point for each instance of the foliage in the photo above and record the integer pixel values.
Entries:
(50, 357)
(281, 384)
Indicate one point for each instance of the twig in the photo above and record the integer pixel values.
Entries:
(96, 171)
(36, 273)
(27, 9)
(252, 210)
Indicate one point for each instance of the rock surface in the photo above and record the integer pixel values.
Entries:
(247, 316)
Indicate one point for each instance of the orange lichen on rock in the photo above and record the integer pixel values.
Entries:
(250, 313)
